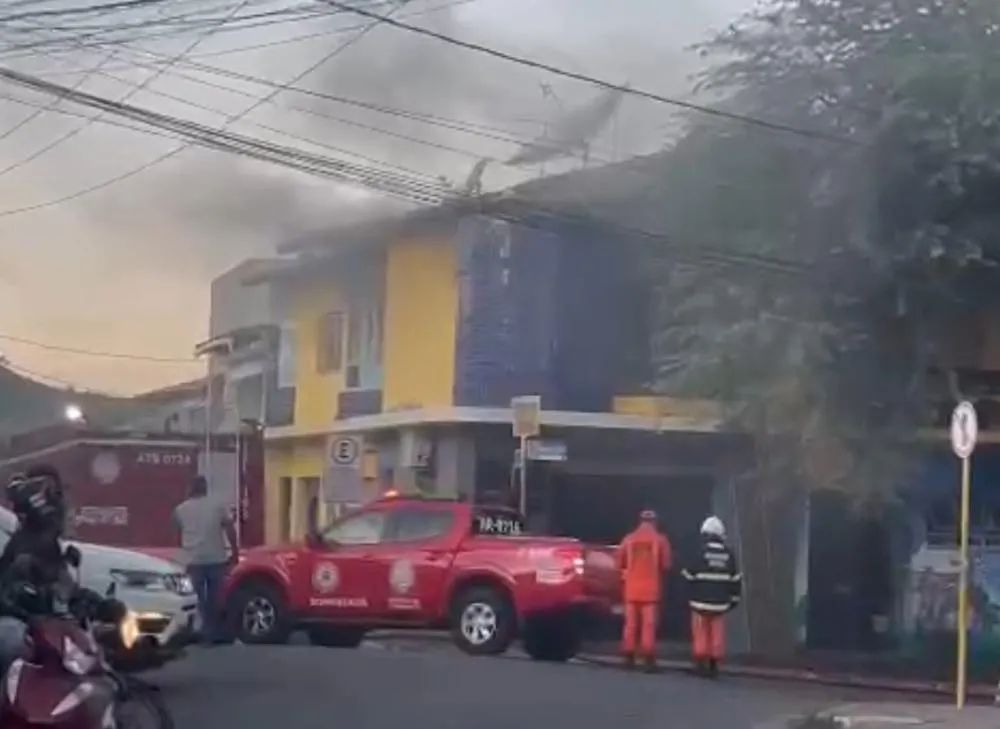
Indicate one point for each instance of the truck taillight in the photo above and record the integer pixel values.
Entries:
(575, 557)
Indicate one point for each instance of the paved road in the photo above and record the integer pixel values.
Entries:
(299, 687)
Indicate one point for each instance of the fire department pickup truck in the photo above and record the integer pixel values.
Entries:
(426, 564)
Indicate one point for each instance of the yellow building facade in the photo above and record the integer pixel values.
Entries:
(394, 326)
(369, 339)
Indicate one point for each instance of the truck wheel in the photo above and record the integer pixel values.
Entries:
(332, 636)
(258, 614)
(483, 621)
(551, 640)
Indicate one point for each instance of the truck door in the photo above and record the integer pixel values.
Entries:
(418, 553)
(347, 580)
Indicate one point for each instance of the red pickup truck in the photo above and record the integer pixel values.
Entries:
(426, 564)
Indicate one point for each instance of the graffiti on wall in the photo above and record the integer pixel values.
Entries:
(931, 599)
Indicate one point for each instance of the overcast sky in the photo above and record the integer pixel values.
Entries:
(128, 268)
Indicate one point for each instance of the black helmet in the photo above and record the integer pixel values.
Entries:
(36, 496)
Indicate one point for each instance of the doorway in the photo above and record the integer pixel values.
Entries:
(603, 509)
(850, 575)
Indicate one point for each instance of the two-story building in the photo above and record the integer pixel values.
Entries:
(407, 338)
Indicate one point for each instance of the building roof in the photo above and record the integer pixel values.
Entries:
(179, 391)
(589, 195)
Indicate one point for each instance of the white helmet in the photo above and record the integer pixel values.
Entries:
(713, 527)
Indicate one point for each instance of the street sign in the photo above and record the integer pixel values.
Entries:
(526, 415)
(964, 429)
(345, 451)
(546, 450)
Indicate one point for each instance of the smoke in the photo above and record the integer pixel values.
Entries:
(150, 245)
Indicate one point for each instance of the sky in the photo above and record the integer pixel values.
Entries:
(127, 268)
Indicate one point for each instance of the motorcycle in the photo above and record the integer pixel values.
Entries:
(64, 681)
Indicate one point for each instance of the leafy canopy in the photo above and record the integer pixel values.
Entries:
(889, 200)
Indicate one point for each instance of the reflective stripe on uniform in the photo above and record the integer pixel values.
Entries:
(708, 607)
(710, 577)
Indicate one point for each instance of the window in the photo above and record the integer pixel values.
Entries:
(412, 525)
(330, 343)
(364, 344)
(366, 528)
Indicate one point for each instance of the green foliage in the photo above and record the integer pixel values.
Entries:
(888, 202)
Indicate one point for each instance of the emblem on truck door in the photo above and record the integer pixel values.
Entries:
(325, 577)
(401, 576)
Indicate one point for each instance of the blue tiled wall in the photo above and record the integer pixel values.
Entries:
(537, 314)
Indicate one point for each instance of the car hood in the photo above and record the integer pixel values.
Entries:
(98, 557)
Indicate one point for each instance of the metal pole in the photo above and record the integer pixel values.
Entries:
(209, 396)
(963, 591)
(523, 466)
(239, 476)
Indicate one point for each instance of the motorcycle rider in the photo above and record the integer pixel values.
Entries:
(37, 499)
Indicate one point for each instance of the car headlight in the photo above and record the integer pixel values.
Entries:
(76, 660)
(140, 579)
(180, 583)
(128, 630)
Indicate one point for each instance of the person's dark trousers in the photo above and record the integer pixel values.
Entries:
(208, 579)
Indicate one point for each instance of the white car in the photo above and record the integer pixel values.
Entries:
(159, 598)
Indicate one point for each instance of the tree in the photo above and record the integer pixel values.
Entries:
(885, 199)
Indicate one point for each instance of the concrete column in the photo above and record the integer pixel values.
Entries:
(455, 460)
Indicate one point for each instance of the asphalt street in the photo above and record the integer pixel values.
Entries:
(302, 687)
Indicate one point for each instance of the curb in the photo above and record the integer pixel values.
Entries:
(930, 688)
(977, 692)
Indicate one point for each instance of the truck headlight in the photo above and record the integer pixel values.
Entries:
(128, 630)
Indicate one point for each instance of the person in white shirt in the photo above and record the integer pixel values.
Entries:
(208, 548)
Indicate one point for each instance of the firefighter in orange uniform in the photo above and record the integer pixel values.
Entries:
(714, 588)
(643, 558)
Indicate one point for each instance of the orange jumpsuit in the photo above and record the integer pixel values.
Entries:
(643, 558)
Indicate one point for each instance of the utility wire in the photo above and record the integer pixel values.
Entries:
(593, 80)
(53, 382)
(408, 189)
(94, 353)
(396, 185)
(152, 78)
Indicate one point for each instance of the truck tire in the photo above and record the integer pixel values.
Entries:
(258, 614)
(483, 621)
(335, 636)
(551, 640)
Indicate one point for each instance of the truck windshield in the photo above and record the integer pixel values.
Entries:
(497, 523)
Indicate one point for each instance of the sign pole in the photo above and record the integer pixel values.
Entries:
(526, 419)
(964, 433)
(523, 476)
(963, 592)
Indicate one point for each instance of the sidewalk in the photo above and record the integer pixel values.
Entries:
(865, 673)
(894, 716)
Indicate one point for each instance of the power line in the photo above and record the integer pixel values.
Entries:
(81, 10)
(409, 189)
(95, 353)
(593, 80)
(53, 382)
(73, 132)
(393, 184)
